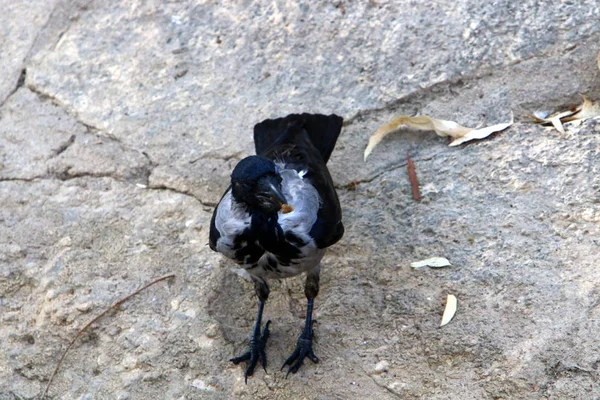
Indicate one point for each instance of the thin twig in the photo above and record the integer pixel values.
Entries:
(102, 314)
(412, 177)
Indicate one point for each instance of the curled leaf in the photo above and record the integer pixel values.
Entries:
(482, 132)
(433, 262)
(587, 109)
(441, 127)
(450, 310)
(555, 119)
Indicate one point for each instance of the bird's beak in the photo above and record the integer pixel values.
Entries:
(269, 195)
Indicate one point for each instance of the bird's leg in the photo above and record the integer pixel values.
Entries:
(256, 351)
(304, 345)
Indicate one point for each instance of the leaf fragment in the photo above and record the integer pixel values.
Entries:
(433, 262)
(586, 110)
(440, 126)
(482, 132)
(450, 310)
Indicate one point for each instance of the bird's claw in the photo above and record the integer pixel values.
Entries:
(256, 353)
(303, 349)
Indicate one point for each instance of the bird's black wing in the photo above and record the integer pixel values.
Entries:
(305, 142)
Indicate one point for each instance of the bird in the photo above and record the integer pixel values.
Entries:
(278, 216)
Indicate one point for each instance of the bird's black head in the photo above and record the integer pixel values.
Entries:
(256, 182)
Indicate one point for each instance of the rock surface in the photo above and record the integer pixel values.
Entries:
(121, 121)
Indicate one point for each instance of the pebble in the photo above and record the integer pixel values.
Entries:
(212, 331)
(199, 384)
(123, 395)
(83, 307)
(382, 366)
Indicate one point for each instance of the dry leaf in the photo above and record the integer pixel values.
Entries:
(555, 119)
(450, 310)
(482, 133)
(434, 262)
(440, 126)
(557, 124)
(588, 109)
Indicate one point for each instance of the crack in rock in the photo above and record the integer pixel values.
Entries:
(66, 175)
(18, 85)
(182, 192)
(62, 176)
(233, 156)
(64, 146)
(417, 98)
(45, 96)
(88, 153)
(31, 179)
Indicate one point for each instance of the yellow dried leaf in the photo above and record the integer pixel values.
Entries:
(450, 310)
(557, 124)
(482, 132)
(588, 109)
(555, 119)
(441, 127)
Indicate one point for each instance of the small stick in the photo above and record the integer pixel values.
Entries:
(412, 177)
(102, 314)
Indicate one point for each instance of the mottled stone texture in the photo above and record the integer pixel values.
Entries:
(121, 121)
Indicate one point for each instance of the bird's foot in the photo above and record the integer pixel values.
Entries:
(255, 353)
(303, 349)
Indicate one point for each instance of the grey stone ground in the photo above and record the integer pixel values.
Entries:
(120, 123)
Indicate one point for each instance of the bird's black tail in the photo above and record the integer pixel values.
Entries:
(323, 131)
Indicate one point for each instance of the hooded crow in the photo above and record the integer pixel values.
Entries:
(279, 215)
